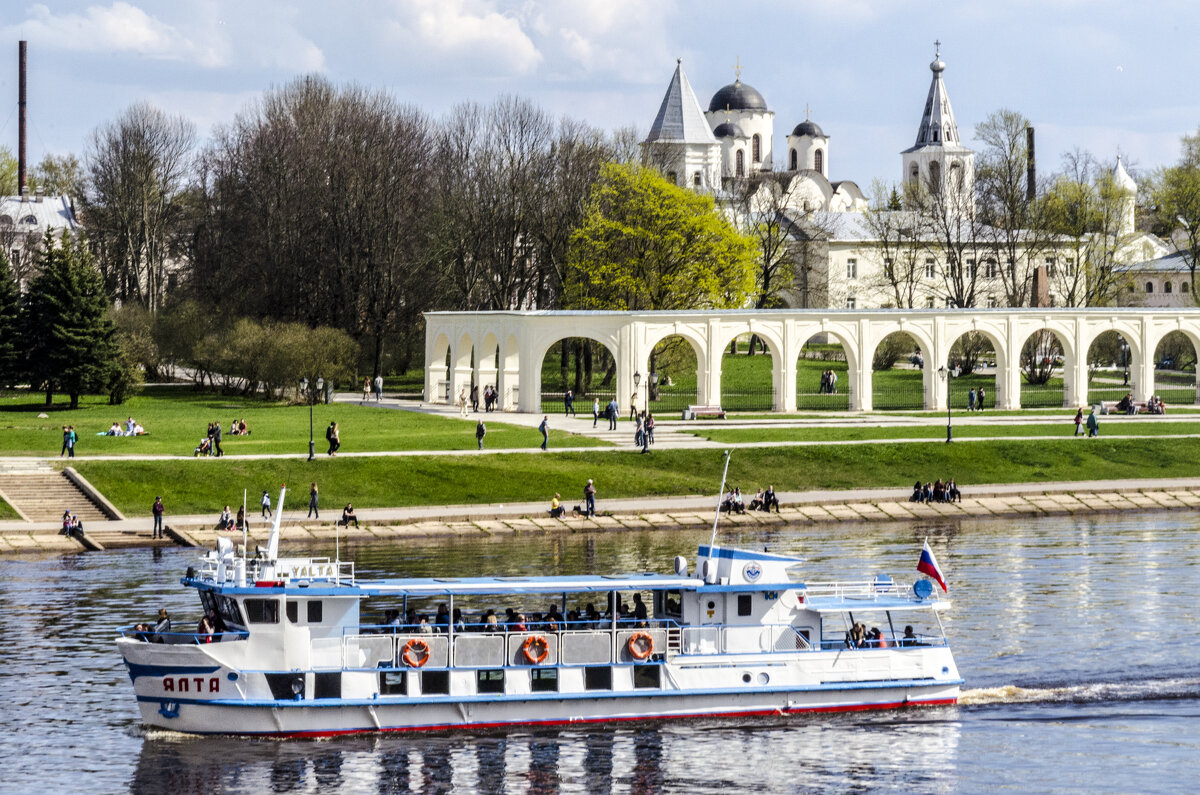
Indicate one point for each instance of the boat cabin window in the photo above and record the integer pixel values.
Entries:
(647, 676)
(293, 611)
(262, 611)
(597, 678)
(393, 683)
(435, 683)
(543, 680)
(286, 687)
(668, 604)
(327, 685)
(223, 606)
(489, 681)
(745, 604)
(314, 611)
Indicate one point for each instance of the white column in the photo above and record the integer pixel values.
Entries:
(529, 374)
(862, 396)
(1008, 370)
(1075, 381)
(785, 398)
(716, 350)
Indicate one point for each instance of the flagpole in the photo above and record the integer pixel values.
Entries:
(720, 495)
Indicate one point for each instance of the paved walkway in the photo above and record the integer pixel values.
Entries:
(666, 513)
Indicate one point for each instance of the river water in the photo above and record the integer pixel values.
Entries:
(1077, 638)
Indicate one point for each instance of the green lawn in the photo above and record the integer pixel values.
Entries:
(770, 435)
(190, 486)
(7, 512)
(176, 419)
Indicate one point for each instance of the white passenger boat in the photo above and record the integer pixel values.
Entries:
(307, 648)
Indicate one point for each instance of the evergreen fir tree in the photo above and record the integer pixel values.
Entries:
(10, 325)
(69, 339)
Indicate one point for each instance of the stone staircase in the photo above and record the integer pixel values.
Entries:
(42, 496)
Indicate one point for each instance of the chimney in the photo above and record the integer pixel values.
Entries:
(1031, 165)
(21, 119)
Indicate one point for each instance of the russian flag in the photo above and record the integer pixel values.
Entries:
(928, 565)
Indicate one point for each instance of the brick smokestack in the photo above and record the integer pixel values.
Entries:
(21, 119)
(1031, 167)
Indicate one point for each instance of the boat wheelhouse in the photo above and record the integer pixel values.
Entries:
(309, 649)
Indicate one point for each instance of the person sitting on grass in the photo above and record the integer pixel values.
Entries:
(115, 430)
(556, 509)
(348, 515)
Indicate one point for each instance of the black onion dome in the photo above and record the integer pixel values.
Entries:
(728, 130)
(809, 128)
(737, 96)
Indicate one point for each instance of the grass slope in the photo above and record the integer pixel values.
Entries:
(1064, 428)
(176, 418)
(204, 486)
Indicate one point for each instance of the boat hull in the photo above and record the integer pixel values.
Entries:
(315, 718)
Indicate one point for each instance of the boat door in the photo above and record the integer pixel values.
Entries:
(712, 608)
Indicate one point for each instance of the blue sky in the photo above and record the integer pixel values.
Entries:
(1091, 74)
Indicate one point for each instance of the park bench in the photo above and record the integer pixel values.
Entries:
(704, 411)
(1110, 407)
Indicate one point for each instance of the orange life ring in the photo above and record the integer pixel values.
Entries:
(416, 653)
(535, 657)
(637, 651)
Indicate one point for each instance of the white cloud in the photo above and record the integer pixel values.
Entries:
(120, 27)
(469, 32)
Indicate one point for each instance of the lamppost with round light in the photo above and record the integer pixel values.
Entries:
(309, 396)
(945, 374)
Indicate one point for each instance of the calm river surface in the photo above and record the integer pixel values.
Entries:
(1077, 637)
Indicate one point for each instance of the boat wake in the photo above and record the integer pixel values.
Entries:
(1131, 690)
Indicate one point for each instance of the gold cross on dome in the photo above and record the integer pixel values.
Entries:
(737, 69)
(807, 112)
(937, 48)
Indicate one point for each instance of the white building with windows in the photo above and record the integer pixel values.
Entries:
(24, 221)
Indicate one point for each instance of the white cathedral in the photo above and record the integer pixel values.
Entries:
(734, 140)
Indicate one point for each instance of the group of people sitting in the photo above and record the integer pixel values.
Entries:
(764, 500)
(71, 526)
(157, 632)
(936, 492)
(228, 523)
(238, 428)
(587, 617)
(828, 383)
(859, 637)
(1155, 405)
(130, 428)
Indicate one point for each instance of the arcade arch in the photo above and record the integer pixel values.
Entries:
(1175, 376)
(674, 375)
(1042, 360)
(1111, 366)
(974, 366)
(584, 365)
(751, 378)
(900, 373)
(824, 374)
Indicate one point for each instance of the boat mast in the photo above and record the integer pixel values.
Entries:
(273, 542)
(720, 495)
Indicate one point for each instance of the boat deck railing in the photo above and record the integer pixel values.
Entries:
(180, 638)
(220, 570)
(856, 589)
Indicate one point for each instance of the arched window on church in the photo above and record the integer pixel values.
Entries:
(935, 136)
(956, 175)
(739, 168)
(1167, 287)
(914, 173)
(756, 142)
(819, 161)
(935, 177)
(793, 160)
(949, 137)
(1149, 287)
(696, 179)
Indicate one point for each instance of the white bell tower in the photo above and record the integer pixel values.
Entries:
(938, 161)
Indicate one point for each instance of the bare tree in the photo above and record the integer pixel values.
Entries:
(138, 170)
(902, 239)
(954, 232)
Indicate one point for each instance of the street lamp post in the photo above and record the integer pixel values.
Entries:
(944, 374)
(637, 380)
(309, 396)
(1125, 360)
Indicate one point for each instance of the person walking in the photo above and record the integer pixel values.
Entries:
(545, 429)
(648, 429)
(480, 432)
(216, 439)
(589, 499)
(266, 505)
(569, 403)
(71, 442)
(332, 436)
(158, 511)
(66, 439)
(475, 398)
(378, 388)
(312, 502)
(1093, 424)
(1079, 422)
(612, 414)
(971, 400)
(979, 400)
(595, 411)
(366, 390)
(462, 402)
(644, 420)
(632, 407)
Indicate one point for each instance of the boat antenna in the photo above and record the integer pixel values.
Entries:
(245, 524)
(273, 542)
(720, 495)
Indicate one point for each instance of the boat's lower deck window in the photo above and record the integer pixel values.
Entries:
(647, 676)
(327, 685)
(489, 681)
(435, 683)
(393, 683)
(543, 680)
(745, 604)
(597, 678)
(286, 687)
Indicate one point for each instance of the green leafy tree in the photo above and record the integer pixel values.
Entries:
(58, 175)
(10, 324)
(8, 172)
(1176, 195)
(647, 244)
(69, 340)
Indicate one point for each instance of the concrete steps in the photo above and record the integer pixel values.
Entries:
(43, 496)
(124, 539)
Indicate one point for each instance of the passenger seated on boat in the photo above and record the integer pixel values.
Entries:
(441, 621)
(591, 614)
(556, 510)
(423, 626)
(519, 625)
(163, 627)
(875, 639)
(459, 624)
(910, 638)
(348, 516)
(205, 630)
(856, 638)
(489, 622)
(639, 611)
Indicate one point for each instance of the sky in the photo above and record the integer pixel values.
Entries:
(1095, 75)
